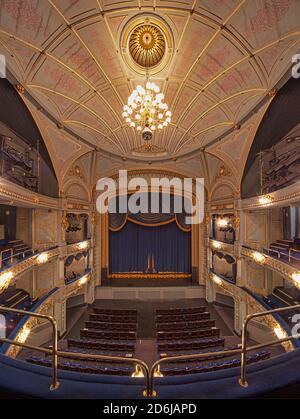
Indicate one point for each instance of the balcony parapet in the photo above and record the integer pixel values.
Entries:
(222, 247)
(12, 192)
(280, 198)
(46, 307)
(254, 305)
(11, 273)
(284, 269)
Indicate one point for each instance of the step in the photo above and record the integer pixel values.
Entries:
(284, 296)
(14, 296)
(25, 297)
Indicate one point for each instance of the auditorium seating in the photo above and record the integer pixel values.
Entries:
(182, 318)
(211, 355)
(171, 369)
(104, 318)
(107, 335)
(88, 352)
(128, 327)
(120, 370)
(115, 312)
(128, 347)
(181, 311)
(190, 345)
(188, 335)
(174, 326)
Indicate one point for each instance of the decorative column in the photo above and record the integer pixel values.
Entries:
(104, 249)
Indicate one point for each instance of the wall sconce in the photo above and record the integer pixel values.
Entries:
(82, 245)
(217, 280)
(42, 258)
(258, 257)
(23, 334)
(280, 333)
(83, 281)
(5, 279)
(223, 222)
(138, 372)
(296, 279)
(216, 245)
(265, 200)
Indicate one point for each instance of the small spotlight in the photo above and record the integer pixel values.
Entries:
(42, 258)
(265, 200)
(259, 257)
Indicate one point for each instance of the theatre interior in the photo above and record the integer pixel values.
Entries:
(148, 304)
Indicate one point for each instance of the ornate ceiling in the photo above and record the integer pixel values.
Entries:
(216, 61)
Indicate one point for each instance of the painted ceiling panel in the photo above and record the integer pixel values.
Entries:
(68, 56)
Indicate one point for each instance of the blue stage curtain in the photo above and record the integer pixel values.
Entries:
(131, 246)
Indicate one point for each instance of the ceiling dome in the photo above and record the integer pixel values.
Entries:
(147, 45)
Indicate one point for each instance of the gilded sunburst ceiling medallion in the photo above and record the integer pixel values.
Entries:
(147, 45)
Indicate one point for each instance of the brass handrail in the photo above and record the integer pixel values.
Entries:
(55, 382)
(243, 381)
(56, 353)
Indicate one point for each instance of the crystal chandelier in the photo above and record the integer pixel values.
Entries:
(146, 110)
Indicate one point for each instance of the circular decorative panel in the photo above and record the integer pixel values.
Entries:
(147, 45)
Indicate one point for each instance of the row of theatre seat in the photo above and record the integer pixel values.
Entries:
(185, 346)
(94, 345)
(114, 312)
(188, 335)
(172, 318)
(180, 311)
(119, 370)
(110, 335)
(190, 368)
(112, 318)
(126, 327)
(193, 325)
